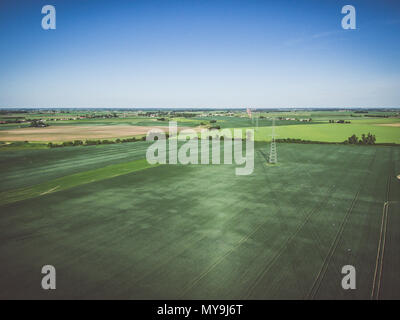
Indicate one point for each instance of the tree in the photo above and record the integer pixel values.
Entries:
(353, 139)
(368, 139)
(38, 123)
(363, 139)
(78, 142)
(371, 138)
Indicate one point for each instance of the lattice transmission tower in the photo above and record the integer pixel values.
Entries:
(273, 157)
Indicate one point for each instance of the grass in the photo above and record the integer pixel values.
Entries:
(28, 167)
(21, 145)
(199, 231)
(335, 132)
(73, 180)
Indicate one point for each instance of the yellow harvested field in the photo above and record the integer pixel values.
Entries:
(70, 133)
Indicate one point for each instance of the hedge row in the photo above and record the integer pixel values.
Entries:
(93, 142)
(359, 142)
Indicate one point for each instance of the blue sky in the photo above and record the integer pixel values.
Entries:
(186, 53)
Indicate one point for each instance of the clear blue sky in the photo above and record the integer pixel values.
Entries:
(186, 53)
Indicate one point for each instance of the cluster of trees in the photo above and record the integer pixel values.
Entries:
(93, 142)
(38, 123)
(215, 127)
(177, 114)
(182, 114)
(12, 111)
(103, 116)
(153, 113)
(365, 139)
(339, 121)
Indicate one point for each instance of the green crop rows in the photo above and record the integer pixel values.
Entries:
(198, 231)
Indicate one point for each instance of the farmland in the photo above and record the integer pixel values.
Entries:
(199, 158)
(118, 228)
(331, 132)
(106, 125)
(68, 133)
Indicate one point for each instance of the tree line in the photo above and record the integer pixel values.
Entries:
(366, 139)
(94, 142)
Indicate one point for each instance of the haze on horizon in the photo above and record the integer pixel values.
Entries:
(205, 54)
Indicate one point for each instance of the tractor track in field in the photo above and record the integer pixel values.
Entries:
(317, 239)
(281, 250)
(278, 254)
(221, 258)
(305, 216)
(194, 238)
(321, 274)
(376, 282)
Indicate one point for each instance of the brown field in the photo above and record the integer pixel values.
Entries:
(69, 133)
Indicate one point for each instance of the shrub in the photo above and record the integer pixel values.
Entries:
(214, 128)
(78, 143)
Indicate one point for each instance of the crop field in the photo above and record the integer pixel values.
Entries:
(332, 132)
(117, 227)
(68, 133)
(195, 157)
(385, 126)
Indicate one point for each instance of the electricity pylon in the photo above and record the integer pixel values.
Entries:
(273, 157)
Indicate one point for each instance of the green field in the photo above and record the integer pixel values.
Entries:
(200, 231)
(331, 132)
